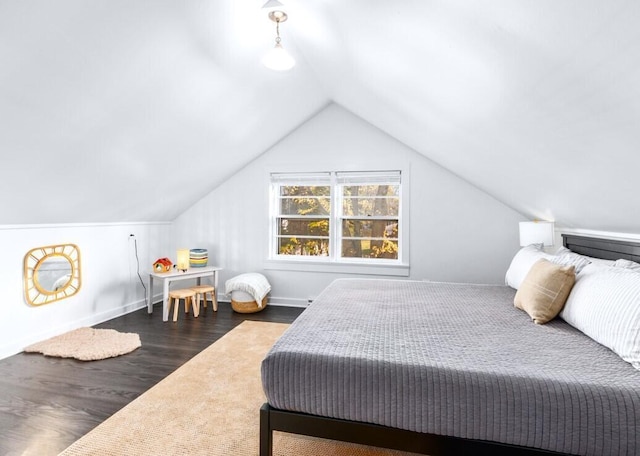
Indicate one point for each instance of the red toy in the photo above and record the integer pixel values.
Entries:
(162, 265)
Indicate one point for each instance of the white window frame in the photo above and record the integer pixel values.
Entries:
(346, 179)
(334, 262)
(307, 179)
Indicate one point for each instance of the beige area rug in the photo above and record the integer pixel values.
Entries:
(87, 344)
(209, 406)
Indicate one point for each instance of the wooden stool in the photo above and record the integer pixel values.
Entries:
(203, 290)
(188, 295)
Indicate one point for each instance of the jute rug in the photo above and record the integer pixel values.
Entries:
(87, 344)
(209, 406)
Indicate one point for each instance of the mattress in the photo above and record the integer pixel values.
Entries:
(456, 360)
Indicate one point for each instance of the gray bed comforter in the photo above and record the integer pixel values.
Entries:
(457, 360)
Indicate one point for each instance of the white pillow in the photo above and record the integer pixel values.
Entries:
(605, 305)
(564, 251)
(602, 262)
(627, 264)
(566, 257)
(521, 264)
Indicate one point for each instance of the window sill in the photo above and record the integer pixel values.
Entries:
(398, 270)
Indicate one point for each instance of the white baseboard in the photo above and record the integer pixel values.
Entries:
(288, 302)
(274, 301)
(17, 346)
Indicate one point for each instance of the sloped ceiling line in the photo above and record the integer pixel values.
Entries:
(133, 110)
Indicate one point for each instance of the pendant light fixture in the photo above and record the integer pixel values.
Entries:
(278, 58)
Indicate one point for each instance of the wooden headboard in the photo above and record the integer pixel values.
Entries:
(607, 249)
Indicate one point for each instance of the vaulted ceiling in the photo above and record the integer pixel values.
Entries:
(131, 110)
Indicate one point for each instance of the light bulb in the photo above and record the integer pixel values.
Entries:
(278, 59)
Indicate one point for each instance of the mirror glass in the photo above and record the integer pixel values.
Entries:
(51, 273)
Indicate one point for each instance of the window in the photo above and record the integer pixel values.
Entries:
(303, 214)
(368, 215)
(337, 216)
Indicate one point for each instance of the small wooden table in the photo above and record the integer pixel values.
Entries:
(174, 275)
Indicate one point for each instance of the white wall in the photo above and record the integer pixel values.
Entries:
(110, 285)
(457, 233)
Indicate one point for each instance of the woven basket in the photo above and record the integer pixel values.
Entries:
(248, 307)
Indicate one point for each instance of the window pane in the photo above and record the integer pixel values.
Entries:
(303, 227)
(305, 206)
(303, 246)
(357, 228)
(371, 207)
(365, 248)
(305, 190)
(370, 200)
(371, 190)
(381, 239)
(366, 226)
(305, 200)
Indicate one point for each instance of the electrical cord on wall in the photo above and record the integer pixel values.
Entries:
(135, 246)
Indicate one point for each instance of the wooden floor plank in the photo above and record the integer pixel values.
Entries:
(48, 403)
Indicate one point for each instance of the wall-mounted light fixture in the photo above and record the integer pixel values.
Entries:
(278, 58)
(536, 232)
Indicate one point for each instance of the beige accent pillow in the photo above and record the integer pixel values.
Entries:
(544, 290)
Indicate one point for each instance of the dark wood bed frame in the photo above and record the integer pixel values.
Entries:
(607, 249)
(272, 419)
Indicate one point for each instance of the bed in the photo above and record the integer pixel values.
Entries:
(455, 369)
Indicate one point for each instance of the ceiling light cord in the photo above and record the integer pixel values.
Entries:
(278, 39)
(278, 58)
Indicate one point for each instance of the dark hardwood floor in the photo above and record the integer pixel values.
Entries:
(48, 403)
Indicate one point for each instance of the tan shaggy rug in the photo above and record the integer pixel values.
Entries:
(209, 406)
(87, 344)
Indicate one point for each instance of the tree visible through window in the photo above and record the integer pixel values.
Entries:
(342, 216)
(304, 219)
(370, 221)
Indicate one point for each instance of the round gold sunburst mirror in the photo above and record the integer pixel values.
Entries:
(51, 273)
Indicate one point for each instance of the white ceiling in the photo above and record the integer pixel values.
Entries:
(131, 110)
